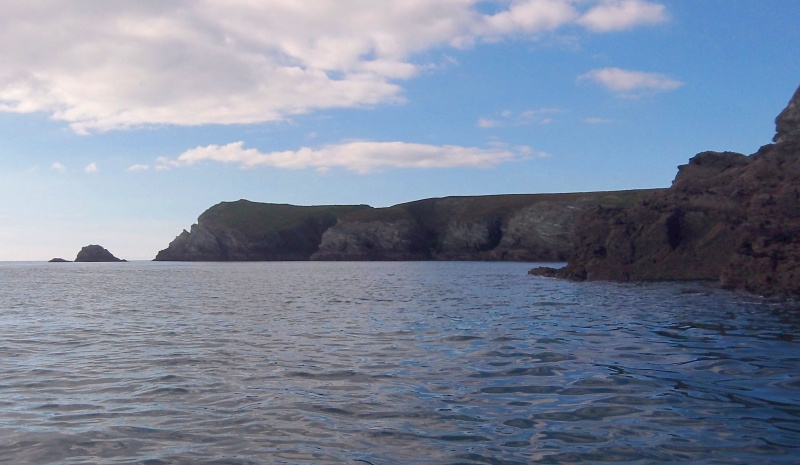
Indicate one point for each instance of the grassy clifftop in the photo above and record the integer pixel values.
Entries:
(256, 220)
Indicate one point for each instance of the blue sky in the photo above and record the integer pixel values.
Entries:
(121, 122)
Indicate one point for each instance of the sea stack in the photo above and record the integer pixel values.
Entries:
(96, 253)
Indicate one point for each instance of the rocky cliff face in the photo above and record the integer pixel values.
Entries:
(503, 227)
(536, 227)
(727, 217)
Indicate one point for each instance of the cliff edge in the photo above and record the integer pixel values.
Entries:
(519, 227)
(727, 217)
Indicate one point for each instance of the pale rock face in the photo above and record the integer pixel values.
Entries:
(470, 237)
(544, 229)
(367, 240)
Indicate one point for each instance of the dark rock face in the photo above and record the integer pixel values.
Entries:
(96, 253)
(503, 227)
(727, 217)
(787, 124)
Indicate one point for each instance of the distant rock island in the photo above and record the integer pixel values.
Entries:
(96, 253)
(521, 227)
(727, 217)
(58, 260)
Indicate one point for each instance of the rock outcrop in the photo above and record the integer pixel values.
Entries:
(96, 253)
(58, 260)
(536, 227)
(726, 217)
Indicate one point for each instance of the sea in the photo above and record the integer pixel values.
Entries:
(387, 363)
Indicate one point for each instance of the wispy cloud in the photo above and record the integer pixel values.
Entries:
(524, 118)
(91, 168)
(138, 167)
(359, 156)
(595, 120)
(114, 65)
(56, 166)
(630, 83)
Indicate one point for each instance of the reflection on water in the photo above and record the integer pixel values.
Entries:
(386, 363)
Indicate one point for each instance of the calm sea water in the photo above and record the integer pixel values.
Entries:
(386, 363)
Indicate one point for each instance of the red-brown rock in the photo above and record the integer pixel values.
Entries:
(727, 217)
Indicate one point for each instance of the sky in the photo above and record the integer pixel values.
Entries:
(121, 122)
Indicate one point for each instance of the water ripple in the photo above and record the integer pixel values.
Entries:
(387, 363)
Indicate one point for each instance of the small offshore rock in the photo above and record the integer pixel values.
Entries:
(58, 260)
(96, 253)
(546, 271)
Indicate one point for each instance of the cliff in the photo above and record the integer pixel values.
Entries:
(536, 227)
(726, 217)
(250, 231)
(522, 227)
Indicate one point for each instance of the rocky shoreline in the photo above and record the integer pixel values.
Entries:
(727, 217)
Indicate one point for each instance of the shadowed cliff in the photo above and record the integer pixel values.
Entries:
(727, 217)
(251, 231)
(535, 227)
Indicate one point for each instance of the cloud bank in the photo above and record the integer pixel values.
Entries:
(359, 156)
(101, 65)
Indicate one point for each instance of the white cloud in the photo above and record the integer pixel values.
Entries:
(616, 15)
(630, 83)
(56, 166)
(358, 156)
(531, 16)
(138, 167)
(91, 168)
(101, 65)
